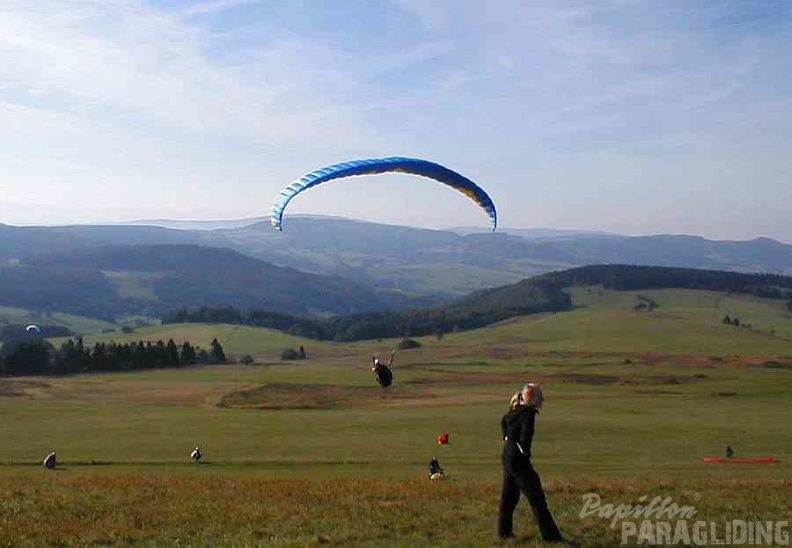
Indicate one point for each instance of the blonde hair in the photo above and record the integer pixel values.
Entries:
(531, 391)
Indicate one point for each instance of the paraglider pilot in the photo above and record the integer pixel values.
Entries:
(517, 427)
(435, 470)
(196, 454)
(383, 371)
(729, 451)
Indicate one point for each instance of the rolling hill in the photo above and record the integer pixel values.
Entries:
(547, 293)
(342, 268)
(417, 262)
(107, 281)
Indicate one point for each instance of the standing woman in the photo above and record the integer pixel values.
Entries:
(517, 426)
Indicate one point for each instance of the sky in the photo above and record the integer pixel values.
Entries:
(628, 116)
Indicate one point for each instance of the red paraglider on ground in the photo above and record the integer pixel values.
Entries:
(740, 460)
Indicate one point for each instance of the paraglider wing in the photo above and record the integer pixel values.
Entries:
(33, 329)
(374, 166)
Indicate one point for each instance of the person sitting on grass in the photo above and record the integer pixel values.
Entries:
(435, 470)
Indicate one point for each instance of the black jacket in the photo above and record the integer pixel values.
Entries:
(384, 375)
(517, 428)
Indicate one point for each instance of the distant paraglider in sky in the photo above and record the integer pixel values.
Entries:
(374, 166)
(33, 329)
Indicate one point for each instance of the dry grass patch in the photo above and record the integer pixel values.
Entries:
(312, 396)
(11, 387)
(79, 508)
(617, 380)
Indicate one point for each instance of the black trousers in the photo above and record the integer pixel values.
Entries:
(521, 477)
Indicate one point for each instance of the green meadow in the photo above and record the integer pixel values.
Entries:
(78, 324)
(314, 452)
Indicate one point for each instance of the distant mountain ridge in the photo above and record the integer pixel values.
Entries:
(413, 262)
(107, 281)
(191, 224)
(534, 233)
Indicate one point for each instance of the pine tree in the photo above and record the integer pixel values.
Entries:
(187, 356)
(173, 354)
(216, 354)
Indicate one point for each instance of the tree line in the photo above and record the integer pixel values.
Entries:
(35, 356)
(633, 277)
(545, 293)
(477, 310)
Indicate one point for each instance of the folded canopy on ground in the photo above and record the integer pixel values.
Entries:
(739, 460)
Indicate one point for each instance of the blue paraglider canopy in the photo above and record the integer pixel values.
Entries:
(374, 166)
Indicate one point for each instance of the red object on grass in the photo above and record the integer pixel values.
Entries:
(442, 439)
(740, 460)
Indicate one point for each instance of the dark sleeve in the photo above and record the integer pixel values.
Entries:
(503, 426)
(527, 430)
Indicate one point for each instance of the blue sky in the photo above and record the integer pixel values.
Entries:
(637, 117)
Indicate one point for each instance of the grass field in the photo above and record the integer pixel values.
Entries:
(314, 452)
(78, 324)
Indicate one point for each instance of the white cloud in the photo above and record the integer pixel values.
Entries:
(227, 100)
(212, 7)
